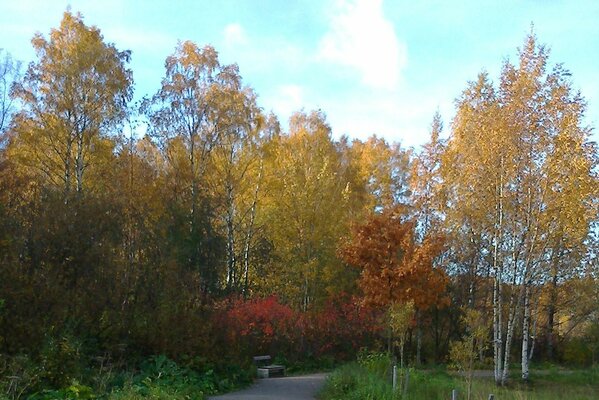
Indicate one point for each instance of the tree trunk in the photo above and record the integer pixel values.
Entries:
(497, 330)
(551, 309)
(250, 234)
(514, 308)
(418, 338)
(67, 170)
(497, 292)
(437, 334)
(79, 164)
(509, 335)
(401, 348)
(534, 334)
(525, 333)
(230, 223)
(470, 373)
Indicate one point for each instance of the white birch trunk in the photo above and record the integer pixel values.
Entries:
(509, 335)
(497, 292)
(230, 223)
(250, 233)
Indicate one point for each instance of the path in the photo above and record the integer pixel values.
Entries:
(288, 388)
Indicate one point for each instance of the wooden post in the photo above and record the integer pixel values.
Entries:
(454, 394)
(394, 377)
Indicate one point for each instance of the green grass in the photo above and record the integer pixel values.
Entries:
(370, 380)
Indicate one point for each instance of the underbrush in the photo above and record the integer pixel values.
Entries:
(308, 365)
(370, 379)
(157, 377)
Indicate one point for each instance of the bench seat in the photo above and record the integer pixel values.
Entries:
(269, 371)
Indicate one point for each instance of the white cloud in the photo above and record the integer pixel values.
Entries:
(362, 38)
(234, 35)
(285, 100)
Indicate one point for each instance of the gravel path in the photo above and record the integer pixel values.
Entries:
(288, 388)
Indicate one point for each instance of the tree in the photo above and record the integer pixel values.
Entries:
(72, 97)
(200, 104)
(401, 316)
(305, 211)
(382, 173)
(394, 267)
(500, 178)
(426, 195)
(9, 74)
(236, 177)
(426, 181)
(464, 352)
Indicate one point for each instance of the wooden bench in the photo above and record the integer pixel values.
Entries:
(266, 369)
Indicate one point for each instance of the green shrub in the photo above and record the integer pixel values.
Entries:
(376, 363)
(72, 392)
(360, 381)
(61, 360)
(577, 352)
(162, 378)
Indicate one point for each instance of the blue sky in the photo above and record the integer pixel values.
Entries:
(372, 66)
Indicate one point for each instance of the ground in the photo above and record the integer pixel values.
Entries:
(289, 388)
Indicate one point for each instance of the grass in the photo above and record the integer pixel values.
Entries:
(369, 379)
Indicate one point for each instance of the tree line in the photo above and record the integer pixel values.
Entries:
(137, 239)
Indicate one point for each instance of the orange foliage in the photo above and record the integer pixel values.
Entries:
(394, 267)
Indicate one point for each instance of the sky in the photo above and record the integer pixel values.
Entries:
(372, 66)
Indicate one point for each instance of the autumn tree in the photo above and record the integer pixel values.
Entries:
(73, 96)
(463, 353)
(305, 211)
(499, 176)
(401, 316)
(236, 165)
(9, 74)
(253, 239)
(426, 181)
(200, 105)
(425, 186)
(381, 173)
(394, 267)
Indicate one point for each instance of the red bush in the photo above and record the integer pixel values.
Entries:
(338, 329)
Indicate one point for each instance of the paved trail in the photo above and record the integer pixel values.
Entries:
(287, 388)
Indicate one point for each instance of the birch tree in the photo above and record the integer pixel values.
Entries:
(306, 211)
(72, 96)
(499, 178)
(382, 173)
(9, 74)
(236, 174)
(200, 103)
